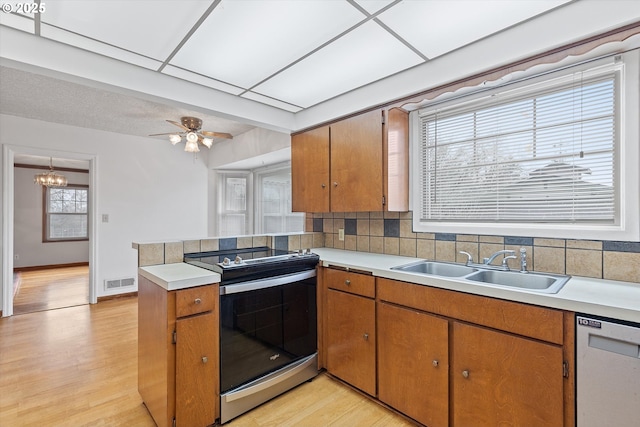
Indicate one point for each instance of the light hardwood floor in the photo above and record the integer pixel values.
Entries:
(51, 288)
(77, 366)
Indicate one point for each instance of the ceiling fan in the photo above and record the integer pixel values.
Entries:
(192, 133)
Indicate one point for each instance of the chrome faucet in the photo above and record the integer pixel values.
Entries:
(509, 255)
(523, 260)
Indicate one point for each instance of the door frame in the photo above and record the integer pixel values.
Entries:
(9, 152)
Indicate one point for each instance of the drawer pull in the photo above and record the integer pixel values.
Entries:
(435, 363)
(366, 337)
(197, 301)
(205, 359)
(347, 282)
(465, 373)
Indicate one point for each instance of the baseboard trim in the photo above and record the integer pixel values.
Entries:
(117, 296)
(46, 267)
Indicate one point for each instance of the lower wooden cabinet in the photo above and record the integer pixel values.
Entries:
(351, 339)
(178, 354)
(196, 367)
(447, 358)
(502, 379)
(413, 364)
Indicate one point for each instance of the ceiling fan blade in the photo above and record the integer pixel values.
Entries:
(170, 133)
(180, 125)
(216, 134)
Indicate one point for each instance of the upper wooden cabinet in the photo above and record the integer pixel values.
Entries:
(359, 164)
(310, 171)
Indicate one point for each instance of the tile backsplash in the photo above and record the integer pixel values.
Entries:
(391, 233)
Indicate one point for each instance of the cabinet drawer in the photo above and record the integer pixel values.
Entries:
(195, 300)
(354, 283)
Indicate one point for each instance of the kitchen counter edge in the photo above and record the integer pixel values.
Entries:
(178, 275)
(607, 298)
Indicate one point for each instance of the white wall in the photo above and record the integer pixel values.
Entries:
(151, 190)
(27, 229)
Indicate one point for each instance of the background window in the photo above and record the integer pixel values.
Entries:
(233, 216)
(554, 155)
(274, 203)
(257, 202)
(548, 157)
(66, 213)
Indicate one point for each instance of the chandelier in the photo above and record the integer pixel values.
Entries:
(51, 178)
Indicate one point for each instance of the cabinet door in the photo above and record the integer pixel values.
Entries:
(196, 371)
(351, 339)
(413, 364)
(502, 379)
(356, 163)
(310, 171)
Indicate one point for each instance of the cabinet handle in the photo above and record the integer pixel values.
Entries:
(335, 184)
(347, 282)
(465, 373)
(435, 363)
(197, 301)
(366, 337)
(324, 186)
(205, 359)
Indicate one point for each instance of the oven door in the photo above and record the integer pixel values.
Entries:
(266, 326)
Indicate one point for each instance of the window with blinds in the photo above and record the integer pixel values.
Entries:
(539, 154)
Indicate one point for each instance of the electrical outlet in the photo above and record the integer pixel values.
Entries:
(341, 234)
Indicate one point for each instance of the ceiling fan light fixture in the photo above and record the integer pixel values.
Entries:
(175, 138)
(208, 142)
(191, 146)
(192, 137)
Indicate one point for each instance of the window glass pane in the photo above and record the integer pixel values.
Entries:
(548, 158)
(236, 194)
(275, 203)
(67, 226)
(67, 213)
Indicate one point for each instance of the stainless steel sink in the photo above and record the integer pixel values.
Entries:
(546, 283)
(436, 268)
(488, 275)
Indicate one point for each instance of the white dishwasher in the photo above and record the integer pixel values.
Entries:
(607, 372)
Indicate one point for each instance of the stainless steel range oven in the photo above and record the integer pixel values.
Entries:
(268, 337)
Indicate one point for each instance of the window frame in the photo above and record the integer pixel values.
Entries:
(627, 224)
(223, 212)
(45, 215)
(260, 175)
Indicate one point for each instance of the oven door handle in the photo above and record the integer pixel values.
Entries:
(266, 383)
(266, 283)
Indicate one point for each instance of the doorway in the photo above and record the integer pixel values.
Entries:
(36, 284)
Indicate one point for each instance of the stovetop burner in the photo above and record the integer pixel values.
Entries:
(240, 265)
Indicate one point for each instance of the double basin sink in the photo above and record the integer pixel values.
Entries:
(536, 282)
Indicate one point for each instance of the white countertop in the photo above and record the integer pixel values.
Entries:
(609, 298)
(178, 275)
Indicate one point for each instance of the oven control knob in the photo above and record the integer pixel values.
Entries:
(226, 261)
(308, 251)
(238, 260)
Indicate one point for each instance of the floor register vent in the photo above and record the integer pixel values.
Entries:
(119, 283)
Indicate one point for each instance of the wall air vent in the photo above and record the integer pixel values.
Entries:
(119, 283)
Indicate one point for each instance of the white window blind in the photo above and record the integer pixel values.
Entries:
(538, 155)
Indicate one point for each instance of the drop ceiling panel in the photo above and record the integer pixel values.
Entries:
(244, 42)
(366, 54)
(438, 26)
(151, 28)
(91, 45)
